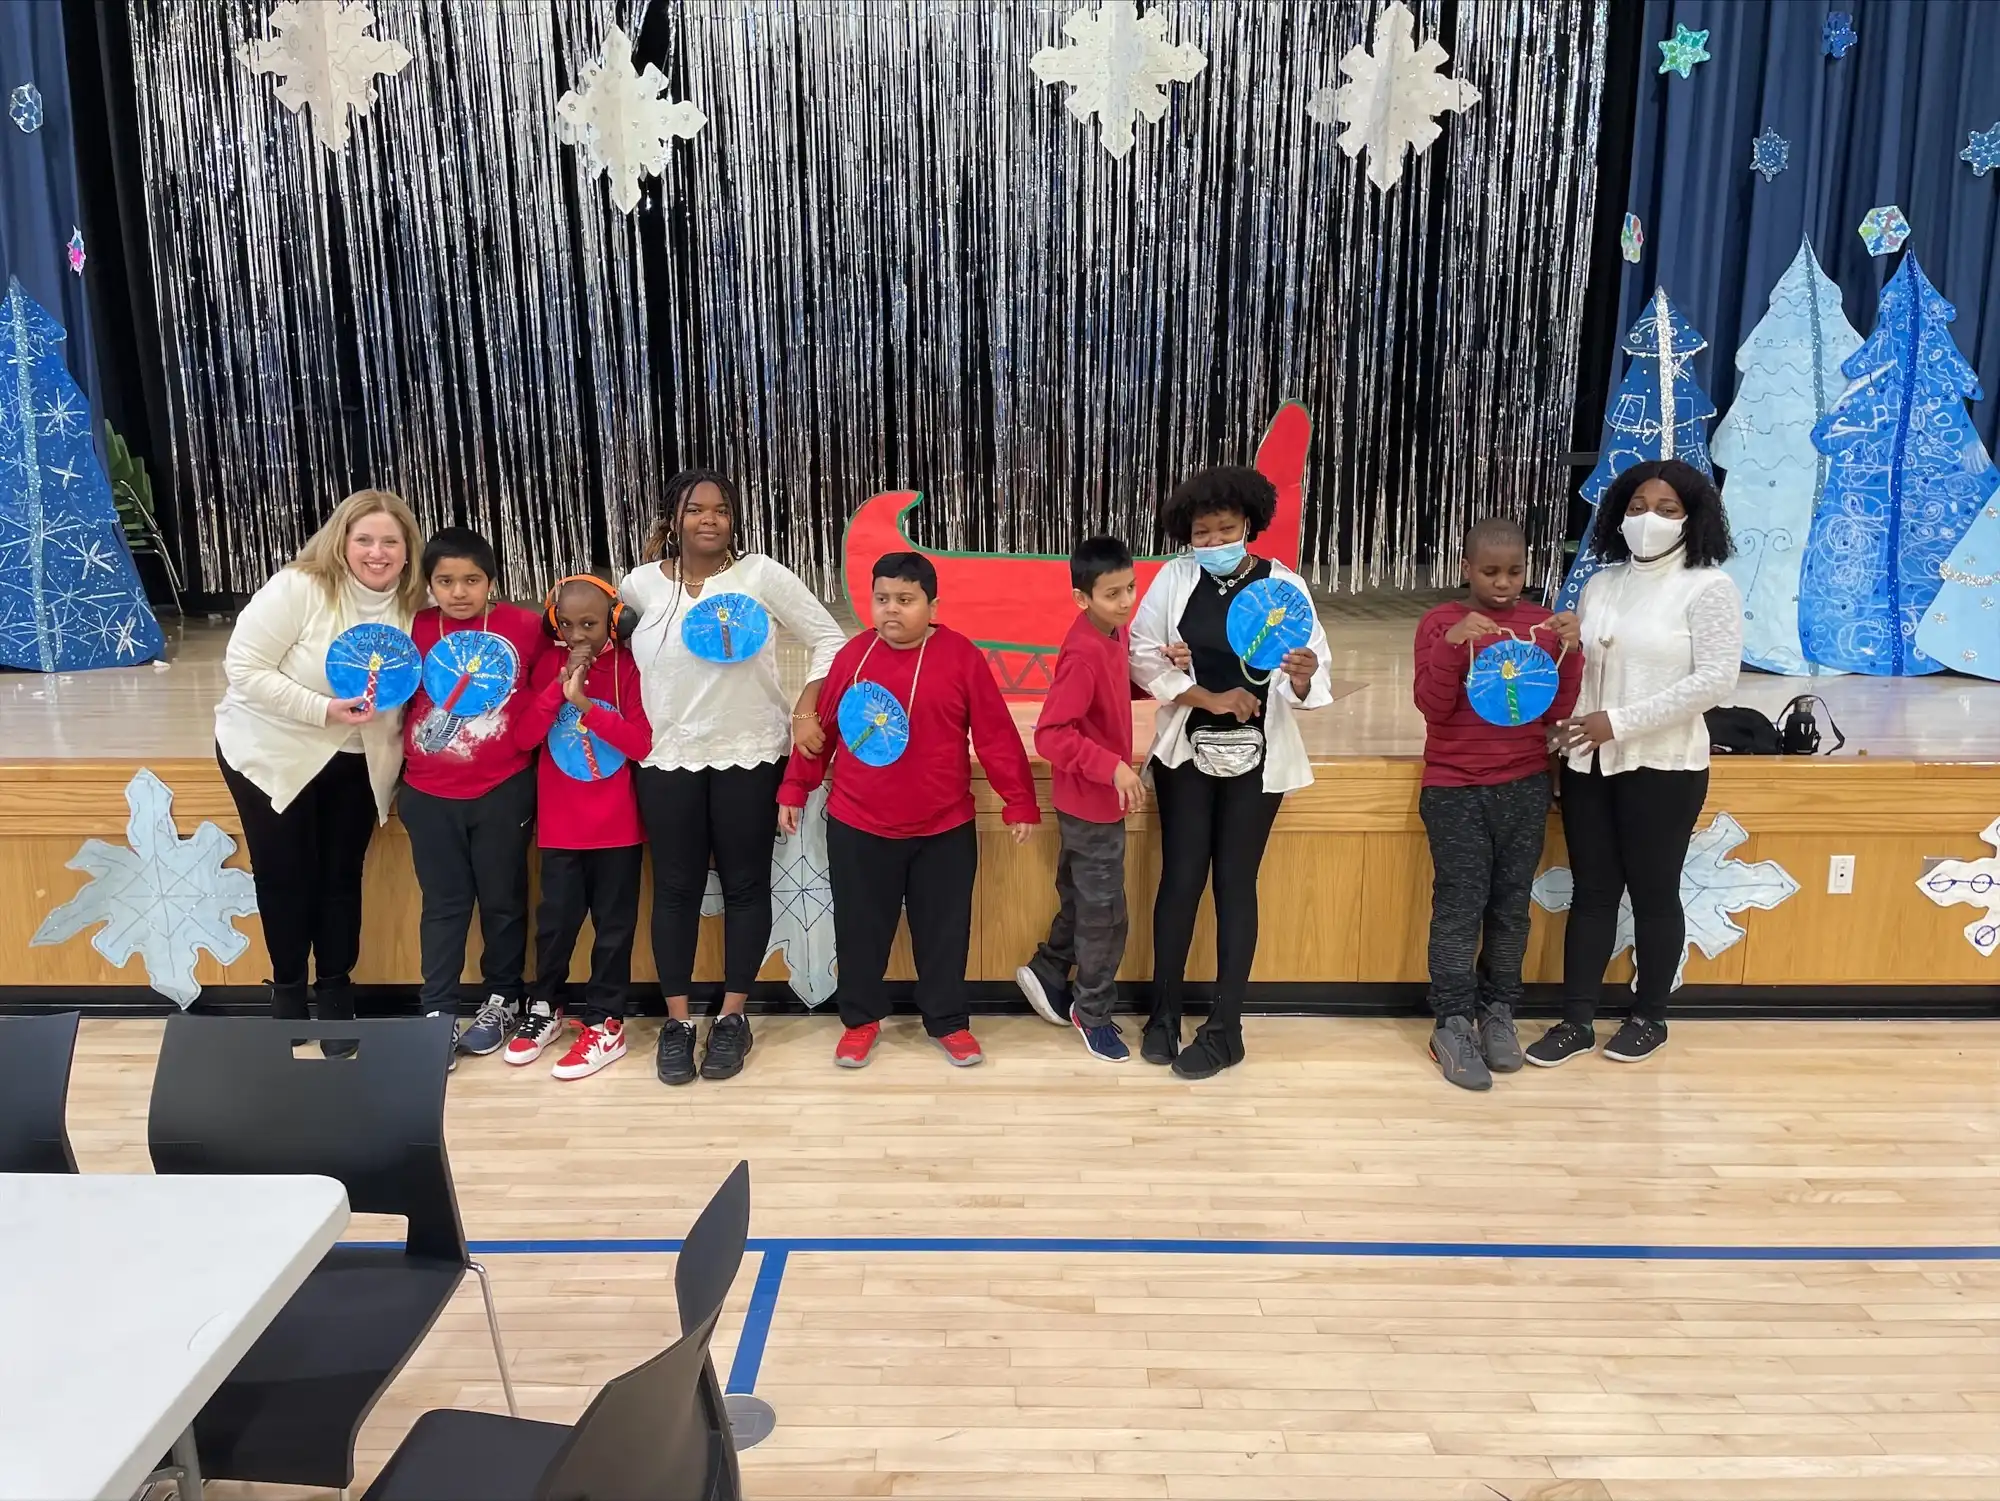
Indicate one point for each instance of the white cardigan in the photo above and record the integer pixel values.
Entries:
(271, 724)
(1158, 622)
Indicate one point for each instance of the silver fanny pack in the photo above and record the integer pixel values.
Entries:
(1227, 752)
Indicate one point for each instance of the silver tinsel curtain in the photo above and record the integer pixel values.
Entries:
(891, 260)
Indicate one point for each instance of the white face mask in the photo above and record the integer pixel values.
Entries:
(1651, 535)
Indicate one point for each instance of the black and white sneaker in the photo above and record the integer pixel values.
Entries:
(1562, 1042)
(673, 1060)
(1049, 997)
(1636, 1041)
(729, 1043)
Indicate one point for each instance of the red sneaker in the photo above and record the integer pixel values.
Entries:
(594, 1048)
(855, 1045)
(961, 1047)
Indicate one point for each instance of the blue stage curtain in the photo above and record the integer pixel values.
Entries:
(1884, 124)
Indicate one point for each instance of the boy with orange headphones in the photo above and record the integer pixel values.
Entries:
(585, 712)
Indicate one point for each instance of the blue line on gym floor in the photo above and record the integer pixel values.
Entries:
(757, 1322)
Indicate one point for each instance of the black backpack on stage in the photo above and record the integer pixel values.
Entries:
(1737, 731)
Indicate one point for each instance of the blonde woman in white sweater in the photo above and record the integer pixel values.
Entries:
(1662, 630)
(313, 775)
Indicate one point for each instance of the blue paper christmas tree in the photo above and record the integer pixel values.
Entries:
(1961, 629)
(69, 596)
(1907, 475)
(1791, 379)
(1657, 412)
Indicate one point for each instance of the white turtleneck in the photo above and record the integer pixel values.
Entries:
(271, 724)
(1662, 644)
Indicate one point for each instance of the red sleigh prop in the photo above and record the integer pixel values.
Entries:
(1018, 607)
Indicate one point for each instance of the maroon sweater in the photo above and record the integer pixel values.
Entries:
(1460, 748)
(1085, 728)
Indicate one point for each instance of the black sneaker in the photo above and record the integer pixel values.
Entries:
(674, 1062)
(729, 1043)
(1562, 1042)
(1161, 1043)
(1636, 1041)
(1209, 1054)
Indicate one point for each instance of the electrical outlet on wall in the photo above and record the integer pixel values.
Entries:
(1840, 876)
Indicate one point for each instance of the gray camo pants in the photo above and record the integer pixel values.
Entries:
(1486, 843)
(1089, 928)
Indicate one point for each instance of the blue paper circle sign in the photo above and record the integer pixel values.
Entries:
(578, 754)
(874, 726)
(469, 672)
(1268, 619)
(1511, 682)
(377, 663)
(726, 628)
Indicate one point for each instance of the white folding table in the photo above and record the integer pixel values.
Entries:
(125, 1302)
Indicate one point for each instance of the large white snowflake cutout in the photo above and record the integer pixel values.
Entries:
(162, 898)
(801, 904)
(1119, 68)
(1973, 883)
(1712, 887)
(328, 60)
(1392, 97)
(619, 121)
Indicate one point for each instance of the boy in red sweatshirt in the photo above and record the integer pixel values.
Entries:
(1085, 734)
(593, 848)
(899, 829)
(1485, 805)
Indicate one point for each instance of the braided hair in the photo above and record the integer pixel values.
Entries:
(663, 538)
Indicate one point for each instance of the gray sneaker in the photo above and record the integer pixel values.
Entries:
(490, 1027)
(1455, 1046)
(1499, 1041)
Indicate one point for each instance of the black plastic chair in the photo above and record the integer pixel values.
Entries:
(653, 1434)
(230, 1097)
(35, 1055)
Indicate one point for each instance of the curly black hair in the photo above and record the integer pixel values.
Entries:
(1225, 488)
(1706, 533)
(663, 538)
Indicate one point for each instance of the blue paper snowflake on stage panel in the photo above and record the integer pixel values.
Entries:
(161, 897)
(1768, 154)
(1681, 51)
(1838, 34)
(801, 904)
(1982, 149)
(1884, 229)
(70, 598)
(24, 108)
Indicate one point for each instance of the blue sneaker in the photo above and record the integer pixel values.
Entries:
(1106, 1043)
(490, 1027)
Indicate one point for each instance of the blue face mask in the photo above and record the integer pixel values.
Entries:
(1221, 561)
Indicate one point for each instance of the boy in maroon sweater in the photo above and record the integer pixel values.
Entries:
(899, 828)
(1085, 734)
(1485, 805)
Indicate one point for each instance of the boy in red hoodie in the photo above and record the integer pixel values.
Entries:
(593, 846)
(1485, 805)
(1085, 734)
(899, 827)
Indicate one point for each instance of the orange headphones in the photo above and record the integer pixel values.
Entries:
(623, 621)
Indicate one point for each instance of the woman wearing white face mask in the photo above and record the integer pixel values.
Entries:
(1662, 630)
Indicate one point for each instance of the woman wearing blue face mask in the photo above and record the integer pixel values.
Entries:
(1225, 750)
(1662, 631)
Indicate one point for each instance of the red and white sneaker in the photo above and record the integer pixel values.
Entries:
(961, 1047)
(539, 1026)
(856, 1045)
(594, 1048)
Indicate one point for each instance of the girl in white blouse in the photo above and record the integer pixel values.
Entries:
(721, 734)
(1662, 632)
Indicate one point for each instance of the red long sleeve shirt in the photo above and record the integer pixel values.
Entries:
(1085, 728)
(1460, 748)
(928, 789)
(482, 752)
(575, 815)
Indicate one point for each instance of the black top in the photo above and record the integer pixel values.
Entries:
(1205, 628)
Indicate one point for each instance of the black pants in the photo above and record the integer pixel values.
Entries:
(1626, 833)
(603, 885)
(1091, 922)
(873, 880)
(1486, 844)
(466, 851)
(307, 863)
(728, 814)
(1209, 827)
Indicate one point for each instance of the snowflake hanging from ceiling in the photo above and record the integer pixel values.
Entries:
(1632, 239)
(1883, 230)
(1838, 34)
(74, 250)
(1392, 98)
(24, 108)
(328, 60)
(1971, 883)
(1119, 68)
(619, 121)
(161, 897)
(801, 904)
(1681, 51)
(1982, 149)
(1769, 153)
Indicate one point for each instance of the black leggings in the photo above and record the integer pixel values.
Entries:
(1216, 825)
(728, 814)
(307, 864)
(1627, 832)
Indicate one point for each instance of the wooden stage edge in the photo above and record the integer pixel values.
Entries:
(1345, 888)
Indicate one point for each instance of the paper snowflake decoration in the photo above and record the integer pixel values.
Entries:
(24, 108)
(1632, 239)
(162, 897)
(1712, 887)
(1838, 34)
(1971, 883)
(1681, 51)
(75, 250)
(1768, 154)
(620, 123)
(328, 60)
(801, 904)
(1982, 149)
(1119, 69)
(1392, 98)
(1883, 230)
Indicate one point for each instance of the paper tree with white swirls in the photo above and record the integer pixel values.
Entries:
(1119, 68)
(161, 897)
(801, 904)
(1971, 883)
(1392, 98)
(328, 60)
(619, 121)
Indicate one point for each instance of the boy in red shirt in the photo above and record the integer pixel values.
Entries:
(899, 828)
(1085, 734)
(593, 847)
(1485, 805)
